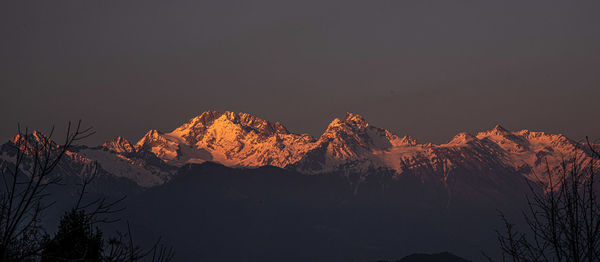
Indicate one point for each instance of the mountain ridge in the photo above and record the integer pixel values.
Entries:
(350, 144)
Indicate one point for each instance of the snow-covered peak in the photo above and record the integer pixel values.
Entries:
(33, 141)
(507, 140)
(260, 125)
(195, 129)
(349, 142)
(356, 120)
(350, 121)
(162, 145)
(233, 139)
(542, 136)
(203, 120)
(498, 130)
(152, 136)
(355, 131)
(462, 139)
(405, 141)
(536, 152)
(35, 136)
(119, 145)
(334, 123)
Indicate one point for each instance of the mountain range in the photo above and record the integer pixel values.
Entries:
(350, 145)
(228, 181)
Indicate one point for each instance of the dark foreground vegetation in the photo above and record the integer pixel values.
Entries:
(25, 197)
(562, 218)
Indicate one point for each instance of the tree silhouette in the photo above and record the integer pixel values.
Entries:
(76, 240)
(563, 217)
(23, 190)
(23, 195)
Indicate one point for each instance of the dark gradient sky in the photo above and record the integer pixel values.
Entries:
(429, 69)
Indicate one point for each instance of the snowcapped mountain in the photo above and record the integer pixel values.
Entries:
(373, 181)
(142, 167)
(70, 170)
(119, 145)
(350, 145)
(238, 140)
(353, 144)
(114, 159)
(534, 153)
